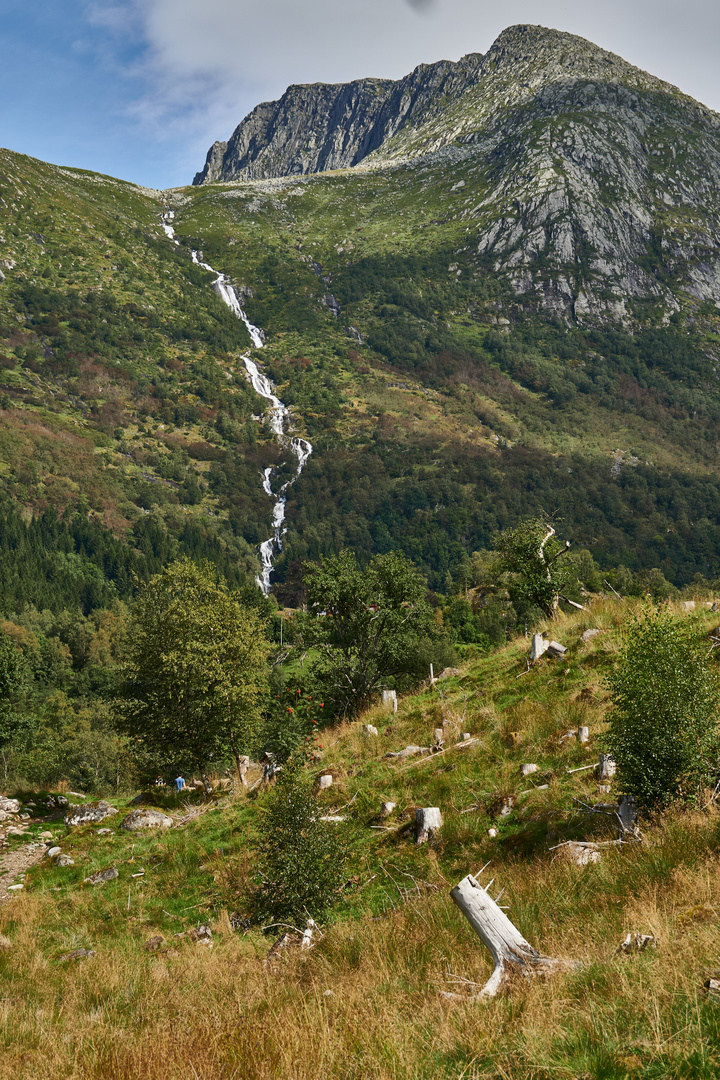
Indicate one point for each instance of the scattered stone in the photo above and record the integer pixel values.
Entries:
(15, 830)
(465, 737)
(102, 876)
(16, 888)
(154, 943)
(503, 806)
(636, 943)
(329, 993)
(77, 954)
(370, 730)
(449, 673)
(528, 770)
(712, 989)
(581, 853)
(89, 814)
(64, 860)
(409, 751)
(10, 806)
(492, 833)
(146, 818)
(688, 605)
(53, 851)
(105, 832)
(45, 835)
(201, 935)
(332, 817)
(387, 808)
(61, 800)
(588, 635)
(24, 817)
(325, 781)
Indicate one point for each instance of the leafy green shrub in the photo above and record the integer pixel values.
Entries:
(302, 859)
(663, 726)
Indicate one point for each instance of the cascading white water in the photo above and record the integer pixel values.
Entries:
(280, 417)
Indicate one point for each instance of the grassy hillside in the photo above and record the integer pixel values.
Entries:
(441, 406)
(366, 1001)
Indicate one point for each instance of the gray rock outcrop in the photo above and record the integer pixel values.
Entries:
(146, 818)
(89, 814)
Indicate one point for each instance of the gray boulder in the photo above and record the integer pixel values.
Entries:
(90, 814)
(64, 860)
(9, 806)
(102, 876)
(146, 818)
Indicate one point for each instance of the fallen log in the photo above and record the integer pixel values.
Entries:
(511, 953)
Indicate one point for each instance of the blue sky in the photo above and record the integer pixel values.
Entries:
(140, 88)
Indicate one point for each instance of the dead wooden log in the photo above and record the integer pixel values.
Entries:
(511, 953)
(428, 823)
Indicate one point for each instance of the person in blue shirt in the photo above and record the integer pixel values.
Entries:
(179, 783)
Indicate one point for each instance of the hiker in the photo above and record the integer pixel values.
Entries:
(179, 783)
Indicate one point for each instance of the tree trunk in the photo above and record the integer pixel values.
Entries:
(428, 823)
(242, 763)
(206, 781)
(511, 953)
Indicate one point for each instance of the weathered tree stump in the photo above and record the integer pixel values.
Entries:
(511, 953)
(627, 814)
(583, 735)
(428, 823)
(389, 699)
(606, 768)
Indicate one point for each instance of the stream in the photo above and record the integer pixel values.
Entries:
(280, 414)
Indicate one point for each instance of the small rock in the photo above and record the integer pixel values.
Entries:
(15, 831)
(154, 943)
(688, 605)
(105, 832)
(15, 888)
(588, 635)
(5, 943)
(465, 737)
(329, 993)
(146, 818)
(386, 809)
(370, 730)
(24, 817)
(332, 817)
(64, 860)
(102, 876)
(77, 954)
(409, 751)
(492, 833)
(53, 851)
(528, 770)
(10, 806)
(504, 806)
(325, 781)
(582, 854)
(201, 935)
(712, 988)
(449, 673)
(45, 836)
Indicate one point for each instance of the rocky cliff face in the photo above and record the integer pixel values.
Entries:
(597, 184)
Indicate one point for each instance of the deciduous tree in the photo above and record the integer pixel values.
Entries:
(195, 671)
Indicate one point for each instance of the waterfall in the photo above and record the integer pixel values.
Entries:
(279, 414)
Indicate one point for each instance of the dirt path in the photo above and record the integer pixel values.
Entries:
(17, 862)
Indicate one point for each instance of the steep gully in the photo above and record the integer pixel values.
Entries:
(280, 415)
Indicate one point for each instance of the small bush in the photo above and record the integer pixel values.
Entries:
(663, 726)
(302, 859)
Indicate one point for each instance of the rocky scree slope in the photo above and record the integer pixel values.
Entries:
(600, 180)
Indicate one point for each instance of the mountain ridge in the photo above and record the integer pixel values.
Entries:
(344, 123)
